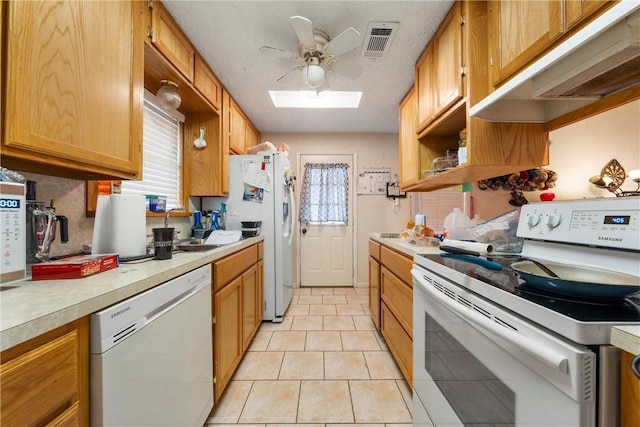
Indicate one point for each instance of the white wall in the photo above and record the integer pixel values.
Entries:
(375, 213)
(576, 153)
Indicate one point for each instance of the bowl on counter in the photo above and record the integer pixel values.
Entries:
(250, 232)
(251, 224)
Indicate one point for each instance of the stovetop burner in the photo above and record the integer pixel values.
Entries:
(626, 310)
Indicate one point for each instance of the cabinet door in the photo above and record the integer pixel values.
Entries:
(577, 11)
(227, 346)
(251, 303)
(169, 39)
(252, 135)
(408, 150)
(205, 170)
(206, 82)
(74, 88)
(448, 60)
(400, 343)
(46, 380)
(521, 30)
(237, 128)
(629, 392)
(425, 87)
(374, 291)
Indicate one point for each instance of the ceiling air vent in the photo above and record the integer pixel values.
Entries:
(378, 39)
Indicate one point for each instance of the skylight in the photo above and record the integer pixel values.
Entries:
(311, 99)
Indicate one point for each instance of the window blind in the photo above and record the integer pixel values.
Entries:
(161, 155)
(436, 205)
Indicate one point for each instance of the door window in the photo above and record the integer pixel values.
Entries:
(325, 193)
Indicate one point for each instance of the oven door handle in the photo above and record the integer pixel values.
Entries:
(543, 354)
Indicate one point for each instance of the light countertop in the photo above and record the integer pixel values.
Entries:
(626, 338)
(30, 308)
(402, 245)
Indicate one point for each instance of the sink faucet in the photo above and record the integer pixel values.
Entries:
(166, 217)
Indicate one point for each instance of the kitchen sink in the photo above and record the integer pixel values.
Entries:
(196, 246)
(390, 235)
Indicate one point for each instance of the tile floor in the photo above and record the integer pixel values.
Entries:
(325, 365)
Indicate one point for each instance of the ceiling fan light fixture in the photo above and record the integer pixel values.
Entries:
(313, 75)
(168, 95)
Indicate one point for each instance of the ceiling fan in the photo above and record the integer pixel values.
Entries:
(319, 53)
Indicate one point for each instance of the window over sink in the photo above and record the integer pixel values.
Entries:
(162, 142)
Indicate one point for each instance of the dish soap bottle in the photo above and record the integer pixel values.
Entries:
(223, 216)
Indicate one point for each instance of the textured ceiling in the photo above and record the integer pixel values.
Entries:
(228, 34)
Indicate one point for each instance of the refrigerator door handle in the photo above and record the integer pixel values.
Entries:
(292, 214)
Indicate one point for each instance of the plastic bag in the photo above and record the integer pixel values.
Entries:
(499, 232)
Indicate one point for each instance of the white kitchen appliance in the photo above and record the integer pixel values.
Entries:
(13, 234)
(151, 356)
(261, 189)
(492, 349)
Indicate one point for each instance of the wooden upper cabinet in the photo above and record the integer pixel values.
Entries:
(425, 87)
(448, 60)
(252, 136)
(169, 39)
(207, 83)
(439, 70)
(206, 169)
(237, 128)
(577, 11)
(521, 30)
(74, 88)
(408, 150)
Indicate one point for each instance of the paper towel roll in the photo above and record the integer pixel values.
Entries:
(101, 243)
(128, 224)
(471, 246)
(120, 225)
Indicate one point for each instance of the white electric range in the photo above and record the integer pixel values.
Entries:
(489, 348)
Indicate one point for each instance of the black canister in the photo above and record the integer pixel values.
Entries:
(163, 243)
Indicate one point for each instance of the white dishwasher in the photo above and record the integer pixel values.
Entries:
(151, 356)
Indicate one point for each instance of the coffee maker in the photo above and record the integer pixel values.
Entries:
(41, 227)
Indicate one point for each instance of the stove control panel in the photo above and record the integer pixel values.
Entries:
(608, 222)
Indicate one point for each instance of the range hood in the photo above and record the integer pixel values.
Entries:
(599, 60)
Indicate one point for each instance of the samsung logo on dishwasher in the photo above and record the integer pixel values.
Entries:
(119, 312)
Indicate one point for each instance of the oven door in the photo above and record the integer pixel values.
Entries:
(476, 363)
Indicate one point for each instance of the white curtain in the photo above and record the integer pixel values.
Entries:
(325, 193)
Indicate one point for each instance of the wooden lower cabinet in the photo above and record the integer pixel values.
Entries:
(395, 299)
(374, 282)
(629, 393)
(374, 291)
(227, 344)
(237, 311)
(45, 381)
(400, 343)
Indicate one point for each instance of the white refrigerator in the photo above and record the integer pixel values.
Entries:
(261, 189)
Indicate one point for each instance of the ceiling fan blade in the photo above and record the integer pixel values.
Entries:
(348, 69)
(343, 42)
(289, 75)
(304, 30)
(278, 53)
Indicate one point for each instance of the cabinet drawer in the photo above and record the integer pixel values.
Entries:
(400, 343)
(45, 380)
(374, 249)
(260, 249)
(398, 264)
(206, 82)
(398, 297)
(234, 265)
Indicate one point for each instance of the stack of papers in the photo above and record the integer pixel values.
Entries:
(223, 237)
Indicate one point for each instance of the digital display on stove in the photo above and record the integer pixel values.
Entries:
(617, 219)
